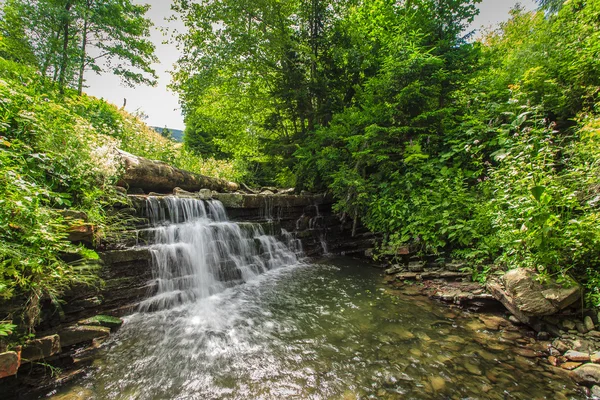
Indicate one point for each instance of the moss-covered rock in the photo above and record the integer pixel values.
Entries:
(106, 321)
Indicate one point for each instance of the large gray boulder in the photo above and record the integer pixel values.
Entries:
(527, 299)
(587, 374)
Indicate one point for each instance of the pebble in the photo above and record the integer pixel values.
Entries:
(437, 383)
(416, 352)
(553, 360)
(573, 355)
(596, 391)
(570, 365)
(580, 327)
(525, 352)
(568, 324)
(511, 336)
(472, 369)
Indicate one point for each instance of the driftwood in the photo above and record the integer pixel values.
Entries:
(157, 176)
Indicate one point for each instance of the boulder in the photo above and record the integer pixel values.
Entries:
(527, 299)
(41, 348)
(82, 334)
(587, 374)
(573, 355)
(10, 362)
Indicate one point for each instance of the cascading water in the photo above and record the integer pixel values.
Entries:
(197, 252)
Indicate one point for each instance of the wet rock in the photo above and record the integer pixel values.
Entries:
(416, 352)
(573, 355)
(205, 194)
(589, 324)
(416, 266)
(41, 348)
(595, 357)
(587, 374)
(568, 324)
(10, 362)
(560, 345)
(525, 352)
(570, 365)
(543, 335)
(103, 320)
(581, 327)
(472, 368)
(553, 361)
(526, 298)
(81, 334)
(396, 268)
(437, 383)
(493, 322)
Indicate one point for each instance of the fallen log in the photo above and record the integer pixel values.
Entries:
(157, 176)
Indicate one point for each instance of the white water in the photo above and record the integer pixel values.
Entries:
(198, 252)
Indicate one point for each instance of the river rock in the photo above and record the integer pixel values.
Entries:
(205, 194)
(416, 266)
(595, 392)
(437, 383)
(10, 362)
(589, 324)
(595, 357)
(41, 348)
(527, 299)
(107, 321)
(573, 355)
(570, 365)
(581, 327)
(81, 334)
(568, 324)
(587, 374)
(394, 269)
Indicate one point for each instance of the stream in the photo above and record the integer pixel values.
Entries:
(240, 314)
(327, 330)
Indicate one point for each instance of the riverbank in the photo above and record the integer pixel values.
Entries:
(572, 351)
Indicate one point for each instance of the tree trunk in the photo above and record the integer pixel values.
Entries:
(65, 51)
(83, 47)
(157, 176)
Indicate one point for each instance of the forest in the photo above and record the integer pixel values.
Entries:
(481, 146)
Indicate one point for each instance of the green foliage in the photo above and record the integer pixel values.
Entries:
(57, 152)
(484, 151)
(64, 38)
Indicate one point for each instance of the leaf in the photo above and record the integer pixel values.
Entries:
(538, 191)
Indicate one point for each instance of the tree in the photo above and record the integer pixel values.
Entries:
(69, 36)
(116, 33)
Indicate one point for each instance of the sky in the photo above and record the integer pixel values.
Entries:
(162, 105)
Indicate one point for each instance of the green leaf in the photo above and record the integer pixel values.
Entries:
(537, 192)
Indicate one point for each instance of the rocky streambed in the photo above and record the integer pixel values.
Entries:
(566, 342)
(325, 330)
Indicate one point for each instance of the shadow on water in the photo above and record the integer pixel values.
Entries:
(327, 330)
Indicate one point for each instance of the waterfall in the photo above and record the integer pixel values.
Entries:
(197, 252)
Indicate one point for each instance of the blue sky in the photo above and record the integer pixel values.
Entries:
(162, 106)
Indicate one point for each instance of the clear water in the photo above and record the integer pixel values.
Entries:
(319, 331)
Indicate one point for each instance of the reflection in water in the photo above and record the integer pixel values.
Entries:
(322, 331)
